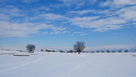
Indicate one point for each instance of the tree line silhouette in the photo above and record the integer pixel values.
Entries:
(77, 48)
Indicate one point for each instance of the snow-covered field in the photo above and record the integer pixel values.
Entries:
(69, 65)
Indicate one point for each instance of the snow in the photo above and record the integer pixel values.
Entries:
(69, 65)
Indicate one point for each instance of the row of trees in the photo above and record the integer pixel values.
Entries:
(108, 51)
(102, 51)
(72, 51)
(78, 47)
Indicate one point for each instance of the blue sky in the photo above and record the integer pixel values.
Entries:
(58, 24)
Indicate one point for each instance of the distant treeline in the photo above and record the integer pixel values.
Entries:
(101, 51)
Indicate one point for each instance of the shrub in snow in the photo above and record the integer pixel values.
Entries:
(62, 51)
(48, 50)
(98, 51)
(41, 50)
(92, 52)
(71, 51)
(119, 51)
(113, 51)
(53, 51)
(102, 51)
(108, 51)
(126, 51)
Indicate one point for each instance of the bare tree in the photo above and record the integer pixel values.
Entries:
(30, 48)
(79, 46)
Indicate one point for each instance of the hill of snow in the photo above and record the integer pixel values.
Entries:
(69, 65)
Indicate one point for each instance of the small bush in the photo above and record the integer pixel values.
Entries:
(113, 51)
(98, 51)
(53, 51)
(102, 51)
(126, 51)
(108, 51)
(119, 51)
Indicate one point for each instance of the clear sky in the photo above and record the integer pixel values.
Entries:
(58, 24)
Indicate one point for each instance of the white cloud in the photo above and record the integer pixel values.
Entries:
(113, 18)
(81, 33)
(92, 11)
(57, 28)
(98, 24)
(69, 2)
(111, 47)
(124, 2)
(83, 19)
(82, 12)
(100, 13)
(55, 32)
(52, 16)
(18, 24)
(44, 8)
(108, 27)
(9, 29)
(128, 13)
(77, 3)
(28, 1)
(78, 32)
(13, 11)
(4, 17)
(118, 3)
(107, 3)
(134, 19)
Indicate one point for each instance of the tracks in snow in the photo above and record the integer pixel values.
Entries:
(21, 65)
